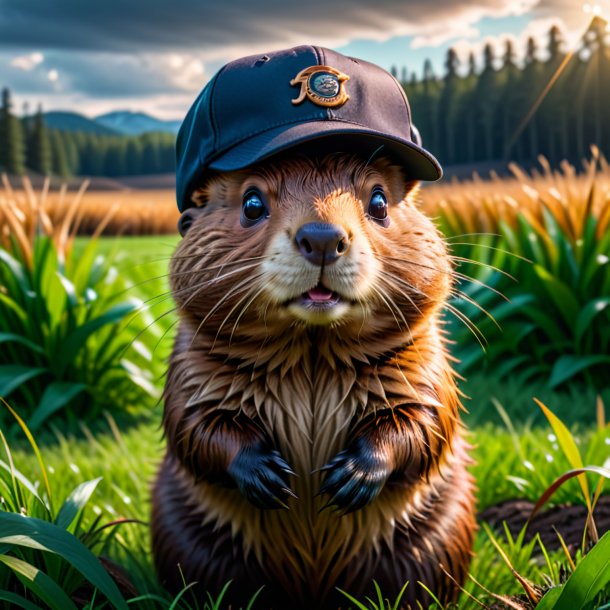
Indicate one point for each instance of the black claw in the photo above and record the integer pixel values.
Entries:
(261, 475)
(355, 478)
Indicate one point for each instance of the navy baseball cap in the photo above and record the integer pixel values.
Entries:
(261, 105)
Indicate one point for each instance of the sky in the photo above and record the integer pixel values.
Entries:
(96, 56)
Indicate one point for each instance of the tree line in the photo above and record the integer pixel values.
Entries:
(465, 116)
(28, 144)
(493, 113)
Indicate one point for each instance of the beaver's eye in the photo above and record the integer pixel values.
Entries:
(253, 208)
(378, 206)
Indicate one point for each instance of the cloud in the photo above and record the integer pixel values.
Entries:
(538, 29)
(27, 62)
(221, 30)
(112, 51)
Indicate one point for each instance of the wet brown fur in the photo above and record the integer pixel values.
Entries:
(245, 367)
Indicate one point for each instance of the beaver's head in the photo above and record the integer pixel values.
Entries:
(297, 243)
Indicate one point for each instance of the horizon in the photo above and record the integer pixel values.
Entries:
(66, 63)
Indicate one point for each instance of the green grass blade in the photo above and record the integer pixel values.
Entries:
(566, 476)
(550, 599)
(180, 595)
(13, 337)
(431, 594)
(17, 601)
(38, 534)
(13, 375)
(75, 502)
(568, 366)
(592, 575)
(254, 597)
(34, 446)
(39, 583)
(352, 599)
(56, 395)
(568, 447)
(400, 596)
(74, 342)
(18, 477)
(587, 315)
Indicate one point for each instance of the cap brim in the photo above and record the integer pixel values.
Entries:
(330, 136)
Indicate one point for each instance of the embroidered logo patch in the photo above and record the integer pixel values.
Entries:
(321, 85)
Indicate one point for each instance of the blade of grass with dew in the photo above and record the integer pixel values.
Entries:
(566, 476)
(568, 447)
(36, 450)
(75, 502)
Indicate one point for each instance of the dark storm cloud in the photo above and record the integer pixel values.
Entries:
(103, 49)
(134, 25)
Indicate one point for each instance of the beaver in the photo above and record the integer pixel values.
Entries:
(314, 441)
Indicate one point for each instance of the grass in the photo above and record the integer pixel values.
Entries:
(139, 212)
(520, 463)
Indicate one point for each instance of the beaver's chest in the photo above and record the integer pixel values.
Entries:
(308, 412)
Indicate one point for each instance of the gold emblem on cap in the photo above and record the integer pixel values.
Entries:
(321, 85)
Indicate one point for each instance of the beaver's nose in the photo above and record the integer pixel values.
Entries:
(321, 242)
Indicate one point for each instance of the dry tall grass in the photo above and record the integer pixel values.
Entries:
(26, 214)
(478, 206)
(134, 212)
(472, 206)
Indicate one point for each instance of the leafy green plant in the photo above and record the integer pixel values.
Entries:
(47, 550)
(587, 585)
(49, 547)
(539, 301)
(62, 318)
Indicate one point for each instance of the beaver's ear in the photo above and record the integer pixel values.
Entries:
(412, 189)
(200, 196)
(187, 218)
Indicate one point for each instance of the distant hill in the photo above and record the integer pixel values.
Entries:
(122, 123)
(72, 121)
(136, 123)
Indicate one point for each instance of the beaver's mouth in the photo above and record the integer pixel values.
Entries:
(319, 298)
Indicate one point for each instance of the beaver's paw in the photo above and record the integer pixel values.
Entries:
(261, 475)
(354, 477)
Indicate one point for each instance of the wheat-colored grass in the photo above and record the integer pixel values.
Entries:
(24, 212)
(471, 206)
(479, 206)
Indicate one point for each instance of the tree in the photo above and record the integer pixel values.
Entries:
(427, 102)
(508, 116)
(486, 97)
(467, 115)
(71, 150)
(12, 150)
(472, 64)
(531, 52)
(448, 108)
(553, 110)
(133, 161)
(39, 146)
(555, 44)
(58, 150)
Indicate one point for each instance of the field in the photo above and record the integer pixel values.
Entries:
(549, 232)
